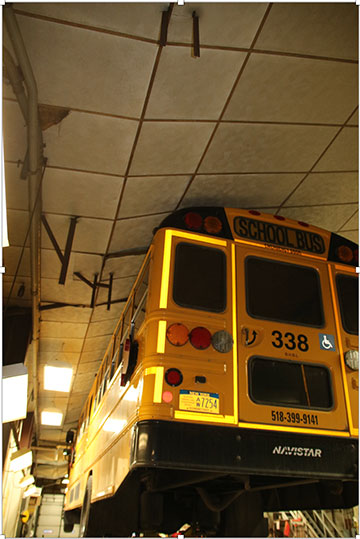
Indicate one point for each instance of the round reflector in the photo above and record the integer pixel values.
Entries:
(200, 338)
(344, 253)
(177, 334)
(352, 359)
(193, 220)
(167, 396)
(222, 341)
(173, 377)
(212, 225)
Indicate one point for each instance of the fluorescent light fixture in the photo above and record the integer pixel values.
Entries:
(14, 392)
(51, 418)
(58, 378)
(26, 481)
(65, 481)
(19, 460)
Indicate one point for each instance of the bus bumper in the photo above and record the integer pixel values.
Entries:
(187, 446)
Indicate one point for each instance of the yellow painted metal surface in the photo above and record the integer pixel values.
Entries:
(103, 448)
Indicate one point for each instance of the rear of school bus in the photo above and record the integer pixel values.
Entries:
(249, 366)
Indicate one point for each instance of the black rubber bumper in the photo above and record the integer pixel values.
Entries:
(187, 446)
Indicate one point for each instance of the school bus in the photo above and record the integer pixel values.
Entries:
(230, 384)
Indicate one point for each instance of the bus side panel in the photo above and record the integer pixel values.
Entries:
(347, 342)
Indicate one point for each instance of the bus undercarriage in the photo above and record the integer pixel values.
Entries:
(213, 479)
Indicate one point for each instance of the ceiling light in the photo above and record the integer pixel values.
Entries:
(65, 481)
(14, 392)
(58, 378)
(20, 460)
(49, 417)
(26, 481)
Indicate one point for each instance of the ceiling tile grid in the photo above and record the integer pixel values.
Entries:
(265, 118)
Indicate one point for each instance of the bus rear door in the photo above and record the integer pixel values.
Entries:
(288, 351)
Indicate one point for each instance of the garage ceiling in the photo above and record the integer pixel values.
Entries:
(135, 128)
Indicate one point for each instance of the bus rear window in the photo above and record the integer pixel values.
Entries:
(285, 383)
(347, 287)
(200, 277)
(283, 292)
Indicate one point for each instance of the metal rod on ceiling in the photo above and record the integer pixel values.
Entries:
(35, 151)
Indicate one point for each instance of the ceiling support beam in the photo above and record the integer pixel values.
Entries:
(36, 161)
(64, 258)
(95, 285)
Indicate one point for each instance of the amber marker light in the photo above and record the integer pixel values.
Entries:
(344, 253)
(177, 334)
(212, 225)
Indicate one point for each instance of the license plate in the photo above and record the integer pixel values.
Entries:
(197, 401)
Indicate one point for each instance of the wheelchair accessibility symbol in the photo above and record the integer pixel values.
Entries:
(327, 342)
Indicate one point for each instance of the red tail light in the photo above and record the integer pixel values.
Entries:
(200, 338)
(344, 253)
(193, 220)
(173, 377)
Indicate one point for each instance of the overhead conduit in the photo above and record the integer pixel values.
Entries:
(29, 108)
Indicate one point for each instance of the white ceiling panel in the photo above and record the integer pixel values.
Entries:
(265, 148)
(51, 265)
(120, 289)
(181, 89)
(352, 224)
(311, 28)
(78, 193)
(49, 357)
(18, 225)
(241, 190)
(12, 257)
(170, 147)
(105, 327)
(102, 313)
(343, 153)
(222, 24)
(71, 292)
(97, 77)
(61, 345)
(87, 132)
(326, 188)
(329, 217)
(157, 193)
(63, 330)
(124, 266)
(91, 235)
(298, 89)
(352, 235)
(142, 20)
(137, 231)
(96, 344)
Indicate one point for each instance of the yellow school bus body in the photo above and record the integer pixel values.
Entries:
(104, 448)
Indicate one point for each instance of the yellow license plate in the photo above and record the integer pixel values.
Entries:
(197, 401)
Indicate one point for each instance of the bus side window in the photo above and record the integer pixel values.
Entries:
(140, 299)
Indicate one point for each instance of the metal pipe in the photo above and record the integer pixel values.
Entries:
(35, 150)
